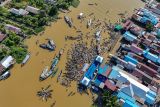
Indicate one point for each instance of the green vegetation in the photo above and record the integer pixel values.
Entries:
(158, 0)
(13, 42)
(107, 100)
(29, 24)
(149, 26)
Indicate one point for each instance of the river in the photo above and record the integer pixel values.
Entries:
(20, 89)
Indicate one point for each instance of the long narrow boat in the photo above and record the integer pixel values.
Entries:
(26, 59)
(68, 21)
(59, 76)
(45, 74)
(54, 73)
(54, 62)
(89, 22)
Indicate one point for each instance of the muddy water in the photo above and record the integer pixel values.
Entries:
(20, 89)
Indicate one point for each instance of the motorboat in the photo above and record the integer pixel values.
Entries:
(49, 47)
(45, 74)
(54, 63)
(52, 43)
(5, 75)
(26, 59)
(68, 21)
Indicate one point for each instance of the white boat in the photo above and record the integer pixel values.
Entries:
(45, 74)
(80, 16)
(89, 22)
(68, 21)
(25, 59)
(51, 42)
(98, 35)
(5, 75)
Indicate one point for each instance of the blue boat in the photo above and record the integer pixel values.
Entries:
(54, 63)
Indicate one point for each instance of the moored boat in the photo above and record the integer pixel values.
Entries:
(54, 72)
(49, 47)
(54, 63)
(26, 59)
(68, 21)
(45, 74)
(51, 43)
(44, 46)
(89, 22)
(5, 75)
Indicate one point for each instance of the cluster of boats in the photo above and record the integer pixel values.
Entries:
(48, 72)
(52, 71)
(50, 45)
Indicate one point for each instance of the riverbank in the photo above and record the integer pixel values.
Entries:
(20, 89)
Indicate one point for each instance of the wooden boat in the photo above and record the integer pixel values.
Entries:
(59, 76)
(54, 73)
(54, 62)
(44, 46)
(45, 74)
(68, 21)
(25, 59)
(89, 22)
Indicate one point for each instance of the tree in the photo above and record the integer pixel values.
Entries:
(109, 100)
(53, 11)
(149, 26)
(106, 99)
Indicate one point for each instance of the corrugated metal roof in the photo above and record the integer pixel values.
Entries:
(129, 104)
(128, 36)
(130, 59)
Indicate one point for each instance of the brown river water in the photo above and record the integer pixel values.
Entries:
(20, 89)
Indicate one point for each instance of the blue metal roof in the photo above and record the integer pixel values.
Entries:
(103, 69)
(97, 82)
(149, 99)
(152, 93)
(150, 56)
(125, 97)
(128, 36)
(148, 16)
(129, 104)
(130, 59)
(113, 73)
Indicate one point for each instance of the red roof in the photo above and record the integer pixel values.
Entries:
(147, 69)
(139, 58)
(2, 37)
(152, 37)
(153, 66)
(136, 49)
(110, 85)
(158, 6)
(127, 24)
